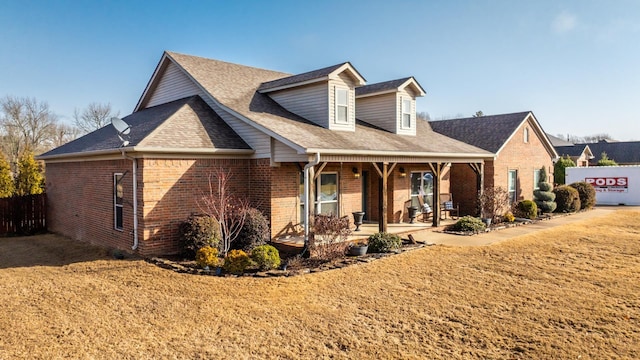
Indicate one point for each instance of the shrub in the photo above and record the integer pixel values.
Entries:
(29, 180)
(236, 262)
(586, 193)
(605, 161)
(544, 198)
(329, 238)
(469, 223)
(198, 232)
(559, 169)
(508, 217)
(383, 242)
(266, 257)
(7, 186)
(207, 256)
(255, 231)
(567, 198)
(527, 209)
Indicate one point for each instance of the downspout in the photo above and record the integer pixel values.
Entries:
(135, 198)
(311, 164)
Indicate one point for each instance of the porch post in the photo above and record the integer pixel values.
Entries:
(382, 226)
(435, 167)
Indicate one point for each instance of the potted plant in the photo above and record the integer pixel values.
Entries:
(358, 248)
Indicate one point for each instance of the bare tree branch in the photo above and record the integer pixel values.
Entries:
(93, 117)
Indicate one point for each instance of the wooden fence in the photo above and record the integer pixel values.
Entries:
(23, 215)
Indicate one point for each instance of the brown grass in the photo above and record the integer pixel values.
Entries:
(570, 292)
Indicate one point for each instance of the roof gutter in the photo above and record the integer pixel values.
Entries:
(312, 151)
(134, 162)
(198, 151)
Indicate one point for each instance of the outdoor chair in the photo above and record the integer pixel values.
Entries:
(448, 207)
(425, 209)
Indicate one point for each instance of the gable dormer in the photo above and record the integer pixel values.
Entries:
(325, 96)
(390, 105)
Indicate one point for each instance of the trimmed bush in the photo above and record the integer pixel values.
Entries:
(587, 194)
(266, 257)
(567, 198)
(469, 223)
(527, 209)
(197, 232)
(255, 231)
(383, 242)
(207, 256)
(236, 262)
(544, 198)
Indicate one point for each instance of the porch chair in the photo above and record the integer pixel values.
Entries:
(425, 209)
(448, 207)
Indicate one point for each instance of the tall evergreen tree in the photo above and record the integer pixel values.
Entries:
(7, 186)
(29, 180)
(559, 171)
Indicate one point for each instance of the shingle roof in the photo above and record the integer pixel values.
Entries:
(623, 152)
(293, 79)
(486, 132)
(235, 86)
(556, 141)
(570, 150)
(187, 123)
(381, 86)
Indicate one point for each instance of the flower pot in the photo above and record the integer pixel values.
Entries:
(358, 216)
(487, 221)
(358, 250)
(412, 212)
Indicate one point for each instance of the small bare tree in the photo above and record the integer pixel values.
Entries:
(26, 124)
(493, 202)
(93, 117)
(222, 204)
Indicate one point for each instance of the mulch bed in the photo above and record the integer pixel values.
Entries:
(506, 225)
(301, 266)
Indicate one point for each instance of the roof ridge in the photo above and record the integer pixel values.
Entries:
(171, 53)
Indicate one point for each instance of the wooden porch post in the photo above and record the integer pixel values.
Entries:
(435, 167)
(382, 226)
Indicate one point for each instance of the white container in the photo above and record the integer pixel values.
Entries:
(615, 185)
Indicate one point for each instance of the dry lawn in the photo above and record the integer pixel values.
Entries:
(570, 292)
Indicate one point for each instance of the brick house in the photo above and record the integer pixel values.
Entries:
(521, 149)
(292, 143)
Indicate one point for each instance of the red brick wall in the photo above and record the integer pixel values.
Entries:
(171, 191)
(80, 202)
(515, 155)
(523, 157)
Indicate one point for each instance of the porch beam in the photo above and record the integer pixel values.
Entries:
(375, 166)
(322, 166)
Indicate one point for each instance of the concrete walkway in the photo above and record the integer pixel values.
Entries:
(492, 237)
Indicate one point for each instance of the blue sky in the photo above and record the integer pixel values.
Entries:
(575, 64)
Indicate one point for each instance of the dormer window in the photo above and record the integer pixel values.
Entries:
(406, 113)
(342, 106)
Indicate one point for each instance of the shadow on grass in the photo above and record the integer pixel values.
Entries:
(48, 250)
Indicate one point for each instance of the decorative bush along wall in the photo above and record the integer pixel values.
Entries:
(544, 197)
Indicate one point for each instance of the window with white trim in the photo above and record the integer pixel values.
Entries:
(342, 106)
(512, 185)
(406, 113)
(526, 135)
(118, 201)
(326, 192)
(536, 179)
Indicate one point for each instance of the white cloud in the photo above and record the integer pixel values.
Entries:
(564, 22)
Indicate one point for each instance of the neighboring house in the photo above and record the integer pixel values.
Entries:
(622, 152)
(556, 141)
(580, 153)
(521, 149)
(292, 143)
